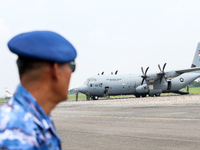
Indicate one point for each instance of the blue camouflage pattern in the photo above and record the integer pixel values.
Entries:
(24, 124)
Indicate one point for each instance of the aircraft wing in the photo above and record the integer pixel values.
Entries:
(170, 74)
(188, 70)
(173, 74)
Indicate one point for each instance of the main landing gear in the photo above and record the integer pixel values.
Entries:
(156, 95)
(144, 95)
(95, 97)
(138, 96)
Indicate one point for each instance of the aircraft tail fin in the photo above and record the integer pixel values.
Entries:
(196, 59)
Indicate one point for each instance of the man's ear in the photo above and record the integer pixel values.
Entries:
(54, 71)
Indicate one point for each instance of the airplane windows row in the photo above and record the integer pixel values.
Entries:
(94, 85)
(97, 85)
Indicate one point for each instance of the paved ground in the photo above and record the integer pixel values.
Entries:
(167, 122)
(153, 123)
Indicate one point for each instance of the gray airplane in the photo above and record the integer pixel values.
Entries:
(145, 84)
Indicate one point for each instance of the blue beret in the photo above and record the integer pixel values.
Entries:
(44, 45)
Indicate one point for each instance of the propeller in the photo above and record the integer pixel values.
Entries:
(144, 76)
(161, 73)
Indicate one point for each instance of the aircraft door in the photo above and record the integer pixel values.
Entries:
(169, 85)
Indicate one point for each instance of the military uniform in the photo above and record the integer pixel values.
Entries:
(88, 96)
(107, 93)
(24, 124)
(76, 96)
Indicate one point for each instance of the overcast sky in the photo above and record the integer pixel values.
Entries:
(109, 35)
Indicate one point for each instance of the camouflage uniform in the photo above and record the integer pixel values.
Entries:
(106, 93)
(88, 95)
(76, 96)
(24, 124)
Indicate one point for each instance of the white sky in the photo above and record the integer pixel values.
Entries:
(109, 35)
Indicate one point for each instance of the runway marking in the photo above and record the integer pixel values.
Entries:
(142, 118)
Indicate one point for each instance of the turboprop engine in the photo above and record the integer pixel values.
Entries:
(142, 89)
(145, 89)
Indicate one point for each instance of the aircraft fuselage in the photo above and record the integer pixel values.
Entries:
(131, 84)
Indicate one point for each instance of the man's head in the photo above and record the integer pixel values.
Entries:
(45, 57)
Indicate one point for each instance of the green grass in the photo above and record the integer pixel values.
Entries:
(3, 99)
(192, 90)
(73, 96)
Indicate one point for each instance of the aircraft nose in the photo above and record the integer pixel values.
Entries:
(83, 89)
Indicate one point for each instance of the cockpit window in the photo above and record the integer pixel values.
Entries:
(87, 81)
(90, 80)
(93, 80)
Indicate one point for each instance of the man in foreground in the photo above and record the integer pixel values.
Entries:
(45, 64)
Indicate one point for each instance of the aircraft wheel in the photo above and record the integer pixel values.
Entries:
(95, 97)
(137, 96)
(151, 95)
(144, 95)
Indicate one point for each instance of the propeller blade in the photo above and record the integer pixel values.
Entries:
(144, 76)
(142, 81)
(159, 67)
(164, 67)
(142, 70)
(162, 73)
(146, 70)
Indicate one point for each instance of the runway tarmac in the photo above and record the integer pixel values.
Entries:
(161, 123)
(155, 123)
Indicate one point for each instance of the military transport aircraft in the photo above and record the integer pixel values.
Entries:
(141, 85)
